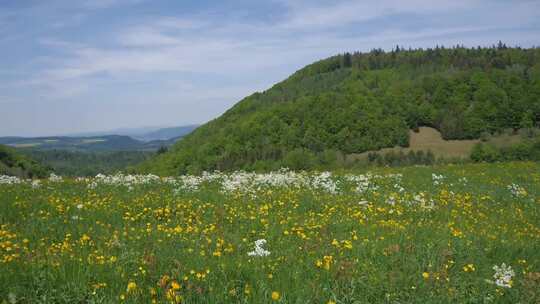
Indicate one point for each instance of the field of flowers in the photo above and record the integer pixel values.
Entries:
(449, 234)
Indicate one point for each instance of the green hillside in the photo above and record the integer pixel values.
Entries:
(359, 102)
(15, 164)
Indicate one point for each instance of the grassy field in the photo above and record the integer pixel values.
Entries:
(448, 234)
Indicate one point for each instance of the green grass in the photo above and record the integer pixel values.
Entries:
(68, 242)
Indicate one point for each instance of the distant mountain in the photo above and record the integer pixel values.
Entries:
(95, 143)
(166, 133)
(143, 133)
(135, 139)
(353, 103)
(14, 164)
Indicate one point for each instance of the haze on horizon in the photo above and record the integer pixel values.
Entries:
(92, 65)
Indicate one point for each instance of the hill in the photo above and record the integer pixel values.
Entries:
(86, 144)
(166, 133)
(143, 133)
(14, 164)
(353, 103)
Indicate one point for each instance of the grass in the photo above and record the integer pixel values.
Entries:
(396, 236)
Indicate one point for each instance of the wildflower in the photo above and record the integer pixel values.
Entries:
(327, 262)
(131, 286)
(517, 190)
(331, 302)
(175, 285)
(259, 251)
(469, 268)
(425, 275)
(275, 295)
(503, 276)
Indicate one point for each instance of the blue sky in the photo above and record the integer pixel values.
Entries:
(86, 65)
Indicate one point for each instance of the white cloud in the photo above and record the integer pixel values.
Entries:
(101, 4)
(243, 55)
(305, 15)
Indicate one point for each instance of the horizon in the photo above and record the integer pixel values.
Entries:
(100, 65)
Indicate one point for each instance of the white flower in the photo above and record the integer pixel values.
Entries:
(437, 179)
(9, 180)
(79, 206)
(363, 203)
(503, 276)
(259, 251)
(517, 190)
(55, 178)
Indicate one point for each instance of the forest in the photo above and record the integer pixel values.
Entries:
(88, 163)
(358, 102)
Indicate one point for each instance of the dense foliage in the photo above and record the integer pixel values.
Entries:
(14, 164)
(78, 163)
(443, 234)
(402, 159)
(365, 101)
(527, 150)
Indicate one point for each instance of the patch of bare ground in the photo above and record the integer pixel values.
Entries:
(430, 139)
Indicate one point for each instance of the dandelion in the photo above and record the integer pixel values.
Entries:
(259, 250)
(469, 268)
(425, 275)
(175, 285)
(275, 296)
(131, 287)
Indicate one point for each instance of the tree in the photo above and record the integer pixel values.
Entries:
(347, 60)
(527, 123)
(161, 150)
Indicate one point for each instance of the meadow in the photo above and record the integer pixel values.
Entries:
(442, 234)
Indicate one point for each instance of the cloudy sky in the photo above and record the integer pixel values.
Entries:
(71, 66)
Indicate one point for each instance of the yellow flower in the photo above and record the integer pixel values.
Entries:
(327, 261)
(175, 285)
(275, 295)
(425, 275)
(330, 302)
(131, 286)
(469, 268)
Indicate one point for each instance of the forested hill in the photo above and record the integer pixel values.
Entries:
(353, 103)
(14, 164)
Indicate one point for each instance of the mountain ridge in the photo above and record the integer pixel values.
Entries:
(147, 141)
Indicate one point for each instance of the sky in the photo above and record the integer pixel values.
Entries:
(70, 66)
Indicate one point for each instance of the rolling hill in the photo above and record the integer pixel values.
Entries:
(86, 144)
(353, 103)
(143, 133)
(166, 133)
